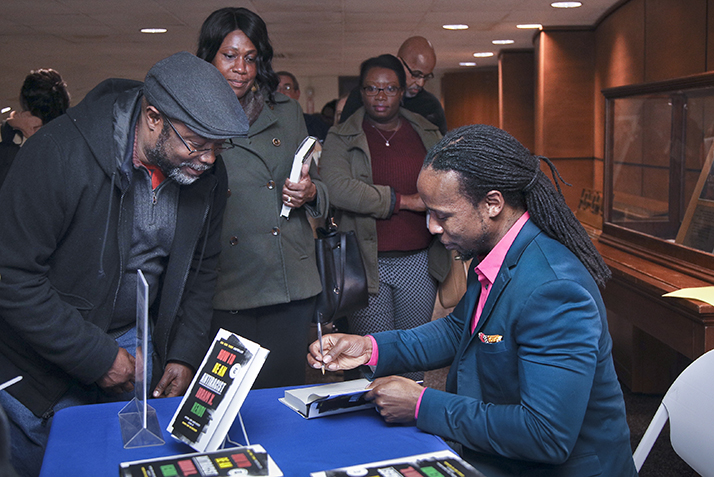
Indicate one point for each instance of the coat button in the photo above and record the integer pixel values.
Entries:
(276, 142)
(276, 230)
(234, 240)
(271, 184)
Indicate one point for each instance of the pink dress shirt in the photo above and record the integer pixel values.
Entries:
(487, 269)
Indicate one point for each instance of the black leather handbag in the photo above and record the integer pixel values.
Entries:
(344, 281)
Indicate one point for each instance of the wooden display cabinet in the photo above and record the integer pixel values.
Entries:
(658, 226)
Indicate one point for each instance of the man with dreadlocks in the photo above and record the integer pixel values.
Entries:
(532, 389)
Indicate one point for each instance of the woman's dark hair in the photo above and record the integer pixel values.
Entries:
(487, 158)
(221, 23)
(389, 62)
(44, 94)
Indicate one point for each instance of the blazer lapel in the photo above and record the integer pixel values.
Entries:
(524, 238)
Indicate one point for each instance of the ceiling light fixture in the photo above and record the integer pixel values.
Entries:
(530, 26)
(483, 54)
(5, 110)
(467, 63)
(503, 42)
(153, 30)
(455, 27)
(566, 4)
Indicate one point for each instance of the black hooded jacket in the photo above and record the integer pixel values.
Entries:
(65, 230)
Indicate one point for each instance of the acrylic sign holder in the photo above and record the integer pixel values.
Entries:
(138, 421)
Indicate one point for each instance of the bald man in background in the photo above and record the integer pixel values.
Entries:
(419, 59)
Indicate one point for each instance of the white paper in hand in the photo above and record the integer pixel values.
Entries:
(308, 149)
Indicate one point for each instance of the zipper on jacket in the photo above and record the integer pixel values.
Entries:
(187, 272)
(47, 416)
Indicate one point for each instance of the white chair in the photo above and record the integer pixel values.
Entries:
(689, 406)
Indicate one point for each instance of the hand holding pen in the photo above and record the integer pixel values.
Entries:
(337, 351)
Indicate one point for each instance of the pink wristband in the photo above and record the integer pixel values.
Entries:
(416, 411)
(375, 352)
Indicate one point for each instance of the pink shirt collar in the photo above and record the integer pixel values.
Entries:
(490, 265)
(487, 269)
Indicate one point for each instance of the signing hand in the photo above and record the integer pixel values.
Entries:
(120, 377)
(341, 352)
(296, 194)
(175, 381)
(396, 398)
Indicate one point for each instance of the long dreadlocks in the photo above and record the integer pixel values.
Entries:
(487, 158)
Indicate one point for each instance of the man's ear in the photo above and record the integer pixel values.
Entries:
(154, 119)
(494, 203)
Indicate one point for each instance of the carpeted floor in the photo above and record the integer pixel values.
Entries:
(662, 460)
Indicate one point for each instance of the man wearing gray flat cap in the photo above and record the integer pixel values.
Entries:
(129, 179)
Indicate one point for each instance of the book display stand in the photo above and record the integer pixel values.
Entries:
(212, 401)
(138, 421)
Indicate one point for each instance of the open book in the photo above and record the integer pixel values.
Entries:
(326, 399)
(248, 460)
(434, 464)
(310, 148)
(217, 391)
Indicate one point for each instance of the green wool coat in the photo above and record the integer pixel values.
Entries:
(267, 259)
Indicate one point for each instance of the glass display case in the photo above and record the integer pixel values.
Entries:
(658, 226)
(659, 170)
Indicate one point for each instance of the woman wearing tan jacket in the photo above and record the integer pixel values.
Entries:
(370, 164)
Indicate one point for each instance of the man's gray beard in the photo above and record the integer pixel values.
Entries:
(181, 177)
(157, 155)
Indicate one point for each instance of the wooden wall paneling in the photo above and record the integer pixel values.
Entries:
(576, 171)
(471, 97)
(564, 106)
(538, 95)
(516, 83)
(619, 60)
(710, 35)
(564, 97)
(675, 38)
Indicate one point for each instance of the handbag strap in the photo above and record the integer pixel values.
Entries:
(343, 264)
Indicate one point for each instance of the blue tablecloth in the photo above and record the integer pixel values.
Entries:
(86, 440)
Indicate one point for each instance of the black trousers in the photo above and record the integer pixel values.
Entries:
(284, 329)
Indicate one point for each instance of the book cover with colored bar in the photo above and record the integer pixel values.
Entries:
(434, 464)
(243, 461)
(217, 391)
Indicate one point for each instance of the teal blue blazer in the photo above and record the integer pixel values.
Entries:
(543, 399)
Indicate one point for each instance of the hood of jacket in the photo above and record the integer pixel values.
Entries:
(105, 118)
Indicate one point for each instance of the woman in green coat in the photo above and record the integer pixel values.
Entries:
(267, 277)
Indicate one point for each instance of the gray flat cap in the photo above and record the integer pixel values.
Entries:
(192, 90)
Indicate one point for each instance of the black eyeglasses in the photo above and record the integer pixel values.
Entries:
(416, 74)
(216, 150)
(390, 90)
